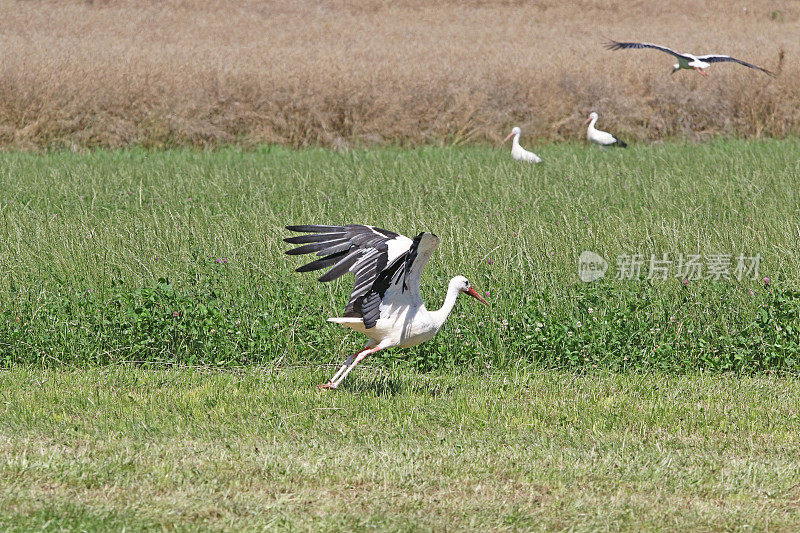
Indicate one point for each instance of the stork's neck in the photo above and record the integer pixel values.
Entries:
(591, 123)
(515, 142)
(440, 315)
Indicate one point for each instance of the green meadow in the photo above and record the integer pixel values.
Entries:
(159, 356)
(177, 256)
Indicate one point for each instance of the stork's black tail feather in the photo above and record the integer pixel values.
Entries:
(621, 144)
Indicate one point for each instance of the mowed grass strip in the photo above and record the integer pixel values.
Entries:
(260, 447)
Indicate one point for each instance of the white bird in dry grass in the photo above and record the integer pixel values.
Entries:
(518, 152)
(385, 304)
(687, 61)
(600, 138)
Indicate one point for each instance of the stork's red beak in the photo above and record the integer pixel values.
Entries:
(588, 120)
(472, 292)
(509, 136)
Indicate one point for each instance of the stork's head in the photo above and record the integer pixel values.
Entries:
(675, 68)
(514, 131)
(592, 116)
(463, 285)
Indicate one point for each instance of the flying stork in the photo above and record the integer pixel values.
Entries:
(518, 152)
(385, 304)
(687, 61)
(600, 138)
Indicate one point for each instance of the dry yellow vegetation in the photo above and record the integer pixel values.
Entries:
(339, 73)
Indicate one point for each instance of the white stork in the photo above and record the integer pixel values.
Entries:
(518, 152)
(385, 304)
(600, 138)
(687, 61)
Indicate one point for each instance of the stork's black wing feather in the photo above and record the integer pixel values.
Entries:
(325, 262)
(716, 58)
(614, 45)
(362, 250)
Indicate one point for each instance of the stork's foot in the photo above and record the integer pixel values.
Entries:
(328, 385)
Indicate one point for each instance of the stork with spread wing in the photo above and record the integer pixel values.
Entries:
(385, 304)
(687, 61)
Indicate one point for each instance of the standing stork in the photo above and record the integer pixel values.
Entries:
(687, 61)
(518, 152)
(385, 304)
(600, 138)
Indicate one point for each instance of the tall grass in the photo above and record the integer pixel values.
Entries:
(177, 256)
(342, 73)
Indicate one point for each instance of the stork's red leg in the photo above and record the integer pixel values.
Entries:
(329, 384)
(359, 357)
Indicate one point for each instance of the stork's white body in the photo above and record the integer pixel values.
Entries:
(690, 62)
(385, 304)
(406, 323)
(518, 152)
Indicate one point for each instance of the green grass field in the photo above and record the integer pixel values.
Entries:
(177, 256)
(158, 355)
(112, 448)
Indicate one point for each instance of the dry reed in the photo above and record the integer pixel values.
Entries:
(343, 73)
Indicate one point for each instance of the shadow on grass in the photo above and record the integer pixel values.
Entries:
(387, 386)
(379, 386)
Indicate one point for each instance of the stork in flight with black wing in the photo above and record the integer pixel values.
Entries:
(385, 304)
(687, 61)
